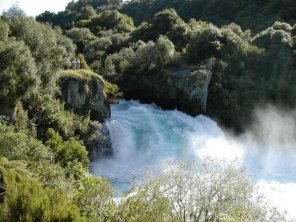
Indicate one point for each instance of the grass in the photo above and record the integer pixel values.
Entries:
(80, 74)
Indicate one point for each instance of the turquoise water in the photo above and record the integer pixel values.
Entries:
(144, 136)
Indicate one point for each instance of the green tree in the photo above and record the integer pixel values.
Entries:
(4, 30)
(166, 50)
(67, 152)
(45, 45)
(19, 168)
(152, 56)
(95, 197)
(80, 36)
(26, 200)
(18, 72)
(165, 20)
(19, 146)
(46, 16)
(87, 12)
(50, 113)
(204, 43)
(21, 119)
(97, 49)
(111, 19)
(145, 203)
(207, 191)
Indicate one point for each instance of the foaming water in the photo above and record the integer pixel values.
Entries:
(144, 136)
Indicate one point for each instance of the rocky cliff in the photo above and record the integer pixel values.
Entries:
(184, 88)
(83, 91)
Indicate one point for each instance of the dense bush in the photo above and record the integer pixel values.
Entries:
(111, 20)
(45, 146)
(95, 198)
(44, 43)
(26, 200)
(5, 31)
(237, 53)
(80, 36)
(253, 14)
(50, 113)
(66, 152)
(18, 72)
(19, 146)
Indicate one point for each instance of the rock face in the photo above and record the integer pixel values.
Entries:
(83, 91)
(184, 88)
(102, 145)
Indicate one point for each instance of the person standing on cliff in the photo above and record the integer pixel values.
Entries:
(77, 63)
(74, 63)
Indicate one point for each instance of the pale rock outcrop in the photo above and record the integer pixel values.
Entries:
(83, 91)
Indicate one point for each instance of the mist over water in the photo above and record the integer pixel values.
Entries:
(144, 136)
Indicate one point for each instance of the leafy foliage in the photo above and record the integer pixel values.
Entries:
(111, 19)
(45, 145)
(4, 30)
(18, 72)
(50, 113)
(26, 200)
(44, 43)
(252, 14)
(95, 197)
(80, 36)
(19, 146)
(67, 152)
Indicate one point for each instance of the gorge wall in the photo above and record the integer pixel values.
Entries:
(184, 88)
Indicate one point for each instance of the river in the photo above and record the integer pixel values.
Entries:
(144, 135)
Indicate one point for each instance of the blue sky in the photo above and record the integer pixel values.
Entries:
(35, 7)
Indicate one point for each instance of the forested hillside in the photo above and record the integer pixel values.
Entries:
(219, 58)
(249, 47)
(249, 14)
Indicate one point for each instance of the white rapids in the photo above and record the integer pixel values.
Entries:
(145, 135)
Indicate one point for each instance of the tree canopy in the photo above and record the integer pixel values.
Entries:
(220, 58)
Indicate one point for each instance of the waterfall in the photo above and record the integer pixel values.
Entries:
(144, 136)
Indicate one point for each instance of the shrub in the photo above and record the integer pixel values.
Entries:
(18, 72)
(26, 200)
(68, 151)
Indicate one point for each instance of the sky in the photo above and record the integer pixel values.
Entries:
(35, 7)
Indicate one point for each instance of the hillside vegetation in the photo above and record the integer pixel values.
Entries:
(219, 58)
(250, 46)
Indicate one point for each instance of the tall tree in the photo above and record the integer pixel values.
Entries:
(18, 72)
